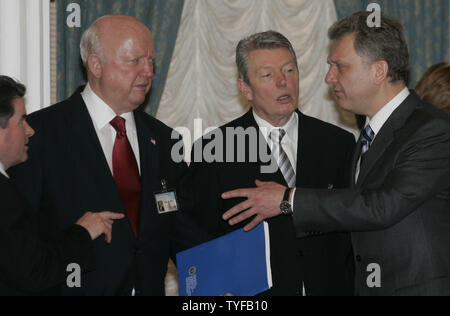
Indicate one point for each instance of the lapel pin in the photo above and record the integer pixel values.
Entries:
(153, 141)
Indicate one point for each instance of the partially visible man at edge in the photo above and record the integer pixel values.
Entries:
(28, 264)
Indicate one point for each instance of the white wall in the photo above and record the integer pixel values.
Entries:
(25, 49)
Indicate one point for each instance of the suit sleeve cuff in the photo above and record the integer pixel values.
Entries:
(79, 247)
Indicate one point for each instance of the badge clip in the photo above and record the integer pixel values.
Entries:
(166, 201)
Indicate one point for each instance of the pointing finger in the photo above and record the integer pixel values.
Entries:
(111, 215)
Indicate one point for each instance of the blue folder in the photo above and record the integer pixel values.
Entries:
(237, 263)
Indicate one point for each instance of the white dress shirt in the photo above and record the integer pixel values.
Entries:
(289, 141)
(3, 171)
(101, 115)
(379, 119)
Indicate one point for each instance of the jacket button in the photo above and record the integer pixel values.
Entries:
(358, 258)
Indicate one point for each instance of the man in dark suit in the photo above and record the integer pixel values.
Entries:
(398, 206)
(28, 264)
(269, 79)
(97, 150)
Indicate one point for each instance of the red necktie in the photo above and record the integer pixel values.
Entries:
(126, 173)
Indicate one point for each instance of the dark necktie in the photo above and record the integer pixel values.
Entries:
(126, 173)
(366, 138)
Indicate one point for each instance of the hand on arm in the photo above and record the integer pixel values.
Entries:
(262, 201)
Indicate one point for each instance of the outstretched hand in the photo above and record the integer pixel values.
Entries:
(100, 223)
(263, 201)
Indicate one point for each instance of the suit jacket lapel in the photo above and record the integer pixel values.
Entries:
(149, 151)
(306, 152)
(86, 147)
(355, 159)
(149, 148)
(386, 135)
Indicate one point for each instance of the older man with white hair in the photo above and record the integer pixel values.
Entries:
(97, 150)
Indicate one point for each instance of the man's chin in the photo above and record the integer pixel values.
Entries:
(24, 158)
(344, 105)
(288, 109)
(137, 101)
(134, 105)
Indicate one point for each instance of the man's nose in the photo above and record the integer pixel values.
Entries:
(148, 68)
(330, 77)
(281, 80)
(29, 131)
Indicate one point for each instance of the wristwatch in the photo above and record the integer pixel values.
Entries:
(285, 206)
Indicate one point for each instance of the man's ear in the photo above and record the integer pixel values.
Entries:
(381, 69)
(95, 65)
(245, 89)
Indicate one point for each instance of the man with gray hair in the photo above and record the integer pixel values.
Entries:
(308, 152)
(97, 150)
(398, 206)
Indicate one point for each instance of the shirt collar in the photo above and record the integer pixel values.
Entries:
(3, 171)
(101, 113)
(266, 128)
(377, 122)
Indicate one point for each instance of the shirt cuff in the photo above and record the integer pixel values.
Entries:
(292, 198)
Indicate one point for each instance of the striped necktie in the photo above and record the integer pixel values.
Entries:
(366, 138)
(282, 159)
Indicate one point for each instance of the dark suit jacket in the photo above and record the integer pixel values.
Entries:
(399, 211)
(27, 264)
(324, 153)
(67, 175)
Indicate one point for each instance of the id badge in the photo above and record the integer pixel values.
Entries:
(166, 201)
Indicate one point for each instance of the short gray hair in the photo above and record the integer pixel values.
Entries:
(90, 43)
(264, 40)
(386, 42)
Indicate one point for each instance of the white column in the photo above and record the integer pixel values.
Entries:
(25, 47)
(10, 38)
